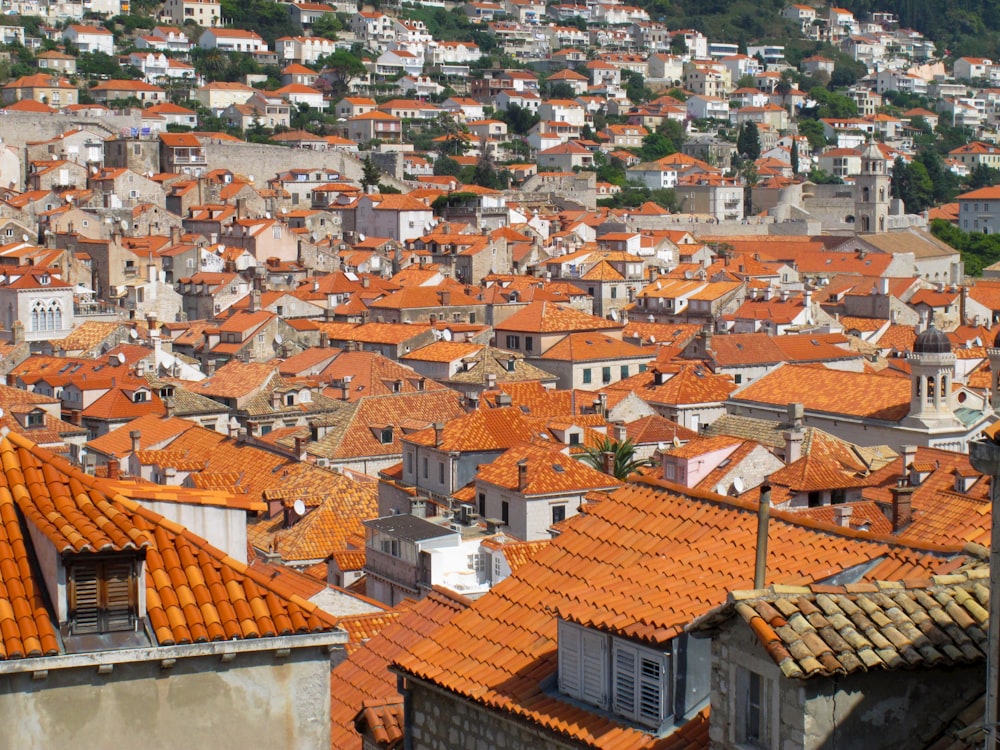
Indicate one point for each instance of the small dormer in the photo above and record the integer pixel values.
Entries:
(30, 419)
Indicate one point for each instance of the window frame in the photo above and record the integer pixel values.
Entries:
(102, 595)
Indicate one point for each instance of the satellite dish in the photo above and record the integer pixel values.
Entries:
(614, 315)
(299, 507)
(267, 214)
(124, 225)
(738, 484)
(446, 334)
(24, 238)
(250, 177)
(652, 339)
(284, 210)
(278, 339)
(121, 358)
(361, 238)
(132, 333)
(436, 333)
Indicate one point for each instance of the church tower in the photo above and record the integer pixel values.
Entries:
(932, 373)
(872, 193)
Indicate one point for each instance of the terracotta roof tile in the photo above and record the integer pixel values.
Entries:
(626, 567)
(546, 317)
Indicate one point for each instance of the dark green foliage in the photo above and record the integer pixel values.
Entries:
(327, 26)
(983, 176)
(633, 195)
(795, 157)
(91, 64)
(978, 250)
(813, 131)
(369, 174)
(624, 461)
(445, 165)
(635, 87)
(269, 19)
(748, 141)
(519, 120)
(819, 177)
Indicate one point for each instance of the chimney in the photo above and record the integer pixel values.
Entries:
(324, 339)
(963, 303)
(168, 405)
(241, 435)
(134, 436)
(300, 447)
(345, 388)
(909, 453)
(446, 298)
(438, 433)
(784, 295)
(608, 462)
(922, 325)
(842, 515)
(768, 294)
(254, 300)
(17, 332)
(151, 275)
(113, 468)
(210, 367)
(522, 474)
(795, 414)
(883, 286)
(365, 282)
(175, 235)
(618, 432)
(902, 506)
(491, 380)
(793, 445)
(763, 520)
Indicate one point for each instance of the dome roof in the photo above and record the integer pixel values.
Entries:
(932, 341)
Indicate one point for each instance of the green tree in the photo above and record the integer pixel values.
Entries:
(485, 174)
(983, 176)
(519, 119)
(370, 174)
(445, 165)
(795, 156)
(327, 26)
(624, 462)
(656, 146)
(748, 141)
(813, 132)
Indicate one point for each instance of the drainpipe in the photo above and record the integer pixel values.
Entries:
(763, 519)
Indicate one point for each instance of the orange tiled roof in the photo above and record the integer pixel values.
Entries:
(549, 471)
(940, 622)
(546, 317)
(364, 678)
(643, 564)
(194, 593)
(822, 389)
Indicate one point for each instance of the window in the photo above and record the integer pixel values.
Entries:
(482, 504)
(529, 343)
(103, 596)
(440, 472)
(586, 375)
(385, 436)
(583, 664)
(738, 378)
(558, 513)
(390, 547)
(513, 342)
(35, 418)
(606, 375)
(614, 292)
(639, 685)
(409, 463)
(425, 467)
(624, 371)
(505, 512)
(751, 708)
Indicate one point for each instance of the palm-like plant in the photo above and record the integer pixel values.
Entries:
(622, 458)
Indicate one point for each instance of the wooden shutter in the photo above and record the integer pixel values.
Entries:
(85, 599)
(103, 596)
(595, 668)
(624, 679)
(119, 598)
(569, 659)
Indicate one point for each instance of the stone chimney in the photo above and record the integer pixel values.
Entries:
(902, 507)
(438, 434)
(522, 474)
(619, 433)
(300, 447)
(113, 468)
(134, 436)
(209, 367)
(842, 515)
(909, 454)
(17, 332)
(795, 412)
(608, 462)
(491, 380)
(168, 405)
(793, 444)
(345, 388)
(445, 298)
(254, 300)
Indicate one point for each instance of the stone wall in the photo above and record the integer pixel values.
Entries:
(438, 720)
(264, 161)
(257, 699)
(17, 128)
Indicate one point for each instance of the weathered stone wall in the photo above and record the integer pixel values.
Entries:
(17, 128)
(255, 700)
(440, 721)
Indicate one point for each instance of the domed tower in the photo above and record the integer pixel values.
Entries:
(932, 371)
(871, 192)
(993, 353)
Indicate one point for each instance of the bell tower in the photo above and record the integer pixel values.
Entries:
(871, 193)
(932, 373)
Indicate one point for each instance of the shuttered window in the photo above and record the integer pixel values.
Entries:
(583, 658)
(640, 686)
(103, 596)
